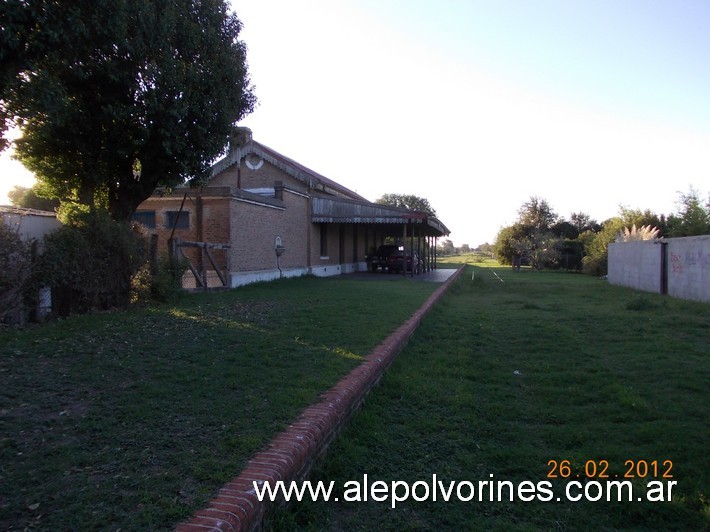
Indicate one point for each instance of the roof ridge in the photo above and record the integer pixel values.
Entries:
(283, 162)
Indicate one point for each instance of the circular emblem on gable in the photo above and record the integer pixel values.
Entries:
(254, 161)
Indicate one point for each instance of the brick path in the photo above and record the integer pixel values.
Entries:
(291, 454)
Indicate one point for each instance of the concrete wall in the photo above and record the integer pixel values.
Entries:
(689, 267)
(639, 265)
(636, 265)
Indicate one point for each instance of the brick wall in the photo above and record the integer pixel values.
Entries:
(214, 226)
(252, 223)
(255, 228)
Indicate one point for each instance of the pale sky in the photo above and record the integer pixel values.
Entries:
(478, 105)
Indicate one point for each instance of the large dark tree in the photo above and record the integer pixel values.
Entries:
(104, 88)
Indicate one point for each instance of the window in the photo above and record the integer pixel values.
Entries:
(177, 219)
(323, 240)
(146, 218)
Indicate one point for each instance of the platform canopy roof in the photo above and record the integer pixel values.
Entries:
(341, 210)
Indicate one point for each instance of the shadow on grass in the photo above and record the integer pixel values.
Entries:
(134, 419)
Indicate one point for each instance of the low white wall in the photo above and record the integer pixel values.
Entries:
(639, 265)
(327, 271)
(636, 264)
(244, 278)
(689, 267)
(353, 267)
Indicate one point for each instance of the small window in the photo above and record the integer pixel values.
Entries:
(177, 219)
(146, 218)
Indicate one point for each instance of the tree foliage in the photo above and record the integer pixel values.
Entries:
(98, 87)
(446, 247)
(510, 242)
(407, 201)
(597, 246)
(543, 239)
(536, 213)
(638, 218)
(532, 237)
(583, 222)
(692, 217)
(31, 198)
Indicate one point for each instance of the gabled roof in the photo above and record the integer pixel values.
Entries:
(348, 207)
(304, 174)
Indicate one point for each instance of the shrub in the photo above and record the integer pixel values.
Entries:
(596, 266)
(167, 282)
(90, 262)
(15, 272)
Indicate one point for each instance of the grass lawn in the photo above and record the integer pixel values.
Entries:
(134, 419)
(504, 377)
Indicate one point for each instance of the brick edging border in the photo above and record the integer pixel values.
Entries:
(291, 454)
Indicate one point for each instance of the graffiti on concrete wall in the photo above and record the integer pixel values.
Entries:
(676, 263)
(689, 259)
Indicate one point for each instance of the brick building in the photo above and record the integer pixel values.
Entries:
(264, 216)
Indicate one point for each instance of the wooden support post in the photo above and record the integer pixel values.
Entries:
(436, 250)
(429, 252)
(203, 268)
(411, 251)
(404, 250)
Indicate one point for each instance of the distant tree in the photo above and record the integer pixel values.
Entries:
(512, 241)
(638, 217)
(446, 248)
(564, 229)
(407, 201)
(692, 217)
(531, 236)
(596, 246)
(570, 253)
(465, 248)
(537, 213)
(29, 198)
(485, 248)
(117, 97)
(584, 222)
(544, 252)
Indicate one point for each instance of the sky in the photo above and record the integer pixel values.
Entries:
(479, 105)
